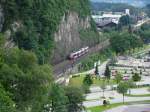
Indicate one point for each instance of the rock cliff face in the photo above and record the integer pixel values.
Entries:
(9, 43)
(67, 39)
(70, 32)
(1, 18)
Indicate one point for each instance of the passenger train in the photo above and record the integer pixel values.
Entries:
(79, 53)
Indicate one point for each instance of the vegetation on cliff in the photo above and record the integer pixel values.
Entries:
(20, 75)
(38, 20)
(26, 86)
(26, 83)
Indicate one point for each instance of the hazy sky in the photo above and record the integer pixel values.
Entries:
(132, 2)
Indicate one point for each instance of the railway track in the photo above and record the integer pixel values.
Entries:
(62, 67)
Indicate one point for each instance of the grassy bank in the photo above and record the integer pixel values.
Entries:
(78, 80)
(142, 95)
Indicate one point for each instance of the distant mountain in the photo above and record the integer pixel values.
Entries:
(114, 7)
(138, 3)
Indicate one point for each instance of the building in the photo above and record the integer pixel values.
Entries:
(127, 11)
(105, 24)
(109, 18)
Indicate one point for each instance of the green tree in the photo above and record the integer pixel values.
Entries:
(148, 9)
(122, 88)
(2, 41)
(136, 77)
(103, 87)
(113, 59)
(75, 96)
(59, 101)
(131, 84)
(39, 21)
(11, 56)
(118, 78)
(27, 86)
(123, 41)
(27, 60)
(9, 77)
(88, 80)
(124, 20)
(144, 32)
(85, 88)
(107, 73)
(6, 103)
(96, 70)
(130, 29)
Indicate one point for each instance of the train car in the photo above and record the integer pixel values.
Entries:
(78, 53)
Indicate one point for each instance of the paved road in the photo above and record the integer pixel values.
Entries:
(140, 23)
(118, 100)
(94, 98)
(131, 108)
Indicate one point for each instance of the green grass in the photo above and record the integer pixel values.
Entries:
(103, 108)
(77, 81)
(143, 95)
(138, 51)
(98, 82)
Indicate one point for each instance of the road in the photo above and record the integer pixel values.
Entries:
(118, 100)
(94, 98)
(131, 108)
(141, 22)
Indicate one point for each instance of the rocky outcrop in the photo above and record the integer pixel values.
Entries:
(14, 27)
(1, 18)
(67, 39)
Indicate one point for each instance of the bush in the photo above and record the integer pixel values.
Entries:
(88, 80)
(6, 103)
(136, 77)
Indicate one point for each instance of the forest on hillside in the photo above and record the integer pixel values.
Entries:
(38, 21)
(26, 78)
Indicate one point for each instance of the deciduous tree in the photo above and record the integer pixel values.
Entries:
(122, 88)
(76, 98)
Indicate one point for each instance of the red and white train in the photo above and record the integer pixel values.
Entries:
(79, 53)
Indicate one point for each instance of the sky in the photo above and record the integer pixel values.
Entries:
(139, 3)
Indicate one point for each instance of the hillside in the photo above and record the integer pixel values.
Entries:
(33, 35)
(49, 28)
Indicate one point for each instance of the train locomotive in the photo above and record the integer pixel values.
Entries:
(79, 53)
